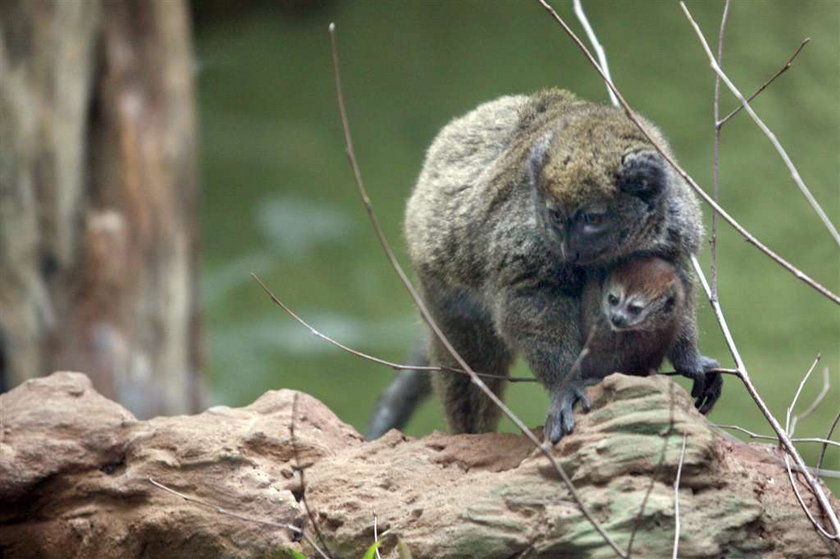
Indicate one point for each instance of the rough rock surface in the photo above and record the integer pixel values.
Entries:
(75, 469)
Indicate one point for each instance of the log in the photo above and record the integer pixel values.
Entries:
(75, 472)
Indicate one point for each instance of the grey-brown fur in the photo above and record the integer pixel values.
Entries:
(499, 278)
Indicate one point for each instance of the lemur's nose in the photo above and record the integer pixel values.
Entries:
(618, 320)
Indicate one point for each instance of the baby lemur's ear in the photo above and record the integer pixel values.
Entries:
(537, 157)
(642, 175)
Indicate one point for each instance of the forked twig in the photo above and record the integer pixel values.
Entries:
(374, 359)
(815, 404)
(764, 86)
(691, 182)
(802, 504)
(230, 513)
(781, 433)
(424, 312)
(794, 173)
(677, 497)
(789, 412)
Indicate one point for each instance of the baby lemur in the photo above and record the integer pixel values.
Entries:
(517, 201)
(630, 315)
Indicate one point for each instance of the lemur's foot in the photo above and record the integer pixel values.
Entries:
(707, 386)
(561, 419)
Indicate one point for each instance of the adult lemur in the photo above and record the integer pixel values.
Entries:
(517, 201)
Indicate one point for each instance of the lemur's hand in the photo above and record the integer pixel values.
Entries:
(561, 419)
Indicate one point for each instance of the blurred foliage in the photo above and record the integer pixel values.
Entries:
(279, 198)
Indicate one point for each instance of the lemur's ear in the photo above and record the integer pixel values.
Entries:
(642, 175)
(537, 157)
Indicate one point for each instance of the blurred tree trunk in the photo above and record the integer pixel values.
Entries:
(98, 193)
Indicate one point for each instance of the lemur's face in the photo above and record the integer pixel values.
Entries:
(626, 309)
(601, 209)
(597, 232)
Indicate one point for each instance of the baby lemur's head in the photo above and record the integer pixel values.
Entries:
(600, 188)
(643, 293)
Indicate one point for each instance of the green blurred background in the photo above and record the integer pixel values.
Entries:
(279, 199)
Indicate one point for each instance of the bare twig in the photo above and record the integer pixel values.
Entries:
(301, 474)
(802, 504)
(753, 435)
(376, 535)
(794, 173)
(227, 512)
(599, 50)
(744, 375)
(826, 386)
(716, 165)
(781, 433)
(421, 306)
(827, 441)
(380, 361)
(677, 496)
(603, 68)
(789, 412)
(772, 78)
(691, 182)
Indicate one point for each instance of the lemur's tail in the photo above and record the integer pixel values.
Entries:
(401, 398)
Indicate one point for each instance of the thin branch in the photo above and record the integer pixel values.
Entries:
(691, 182)
(826, 386)
(753, 435)
(802, 504)
(794, 173)
(744, 375)
(718, 311)
(427, 317)
(774, 424)
(733, 372)
(227, 512)
(790, 420)
(376, 535)
(299, 469)
(599, 50)
(677, 496)
(827, 441)
(758, 91)
(378, 360)
(716, 165)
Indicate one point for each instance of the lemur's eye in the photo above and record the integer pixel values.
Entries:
(612, 299)
(556, 216)
(592, 218)
(634, 309)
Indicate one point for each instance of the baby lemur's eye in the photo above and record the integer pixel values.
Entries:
(634, 309)
(612, 299)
